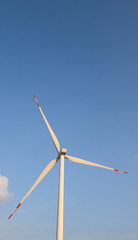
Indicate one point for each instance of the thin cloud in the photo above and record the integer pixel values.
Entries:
(4, 194)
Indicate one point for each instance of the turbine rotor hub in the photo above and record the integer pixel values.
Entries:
(63, 151)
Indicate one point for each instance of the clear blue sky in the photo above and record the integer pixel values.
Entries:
(80, 58)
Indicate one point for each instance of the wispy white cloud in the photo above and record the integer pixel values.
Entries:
(4, 194)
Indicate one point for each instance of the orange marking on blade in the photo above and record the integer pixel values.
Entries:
(116, 170)
(34, 96)
(18, 205)
(38, 104)
(126, 172)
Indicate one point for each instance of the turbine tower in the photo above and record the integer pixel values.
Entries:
(61, 155)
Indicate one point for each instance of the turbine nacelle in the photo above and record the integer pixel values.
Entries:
(63, 151)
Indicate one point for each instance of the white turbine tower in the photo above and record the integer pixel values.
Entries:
(61, 156)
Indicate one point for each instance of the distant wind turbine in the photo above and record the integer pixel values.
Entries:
(61, 155)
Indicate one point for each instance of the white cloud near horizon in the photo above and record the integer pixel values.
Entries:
(4, 194)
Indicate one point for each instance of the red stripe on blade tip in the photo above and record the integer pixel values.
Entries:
(116, 170)
(10, 216)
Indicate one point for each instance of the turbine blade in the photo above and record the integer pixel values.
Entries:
(53, 136)
(78, 160)
(43, 174)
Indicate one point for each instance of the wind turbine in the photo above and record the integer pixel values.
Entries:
(61, 155)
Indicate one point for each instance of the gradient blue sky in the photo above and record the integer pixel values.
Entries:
(80, 58)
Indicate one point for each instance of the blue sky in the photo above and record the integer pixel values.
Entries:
(80, 59)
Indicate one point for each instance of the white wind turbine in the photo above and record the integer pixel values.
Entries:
(61, 156)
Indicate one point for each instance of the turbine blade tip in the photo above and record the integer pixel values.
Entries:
(36, 100)
(116, 170)
(9, 216)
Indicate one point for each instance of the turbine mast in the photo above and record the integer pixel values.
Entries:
(61, 196)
